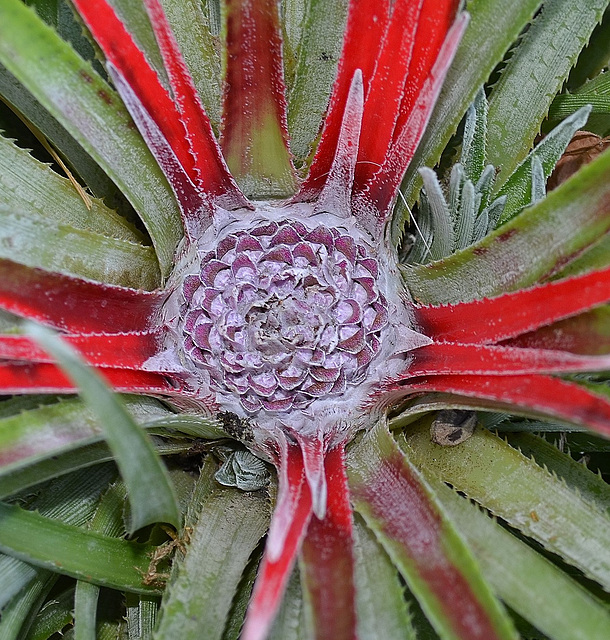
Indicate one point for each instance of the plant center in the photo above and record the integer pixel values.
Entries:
(281, 315)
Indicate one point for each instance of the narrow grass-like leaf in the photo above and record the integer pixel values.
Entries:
(18, 616)
(522, 577)
(518, 186)
(33, 241)
(400, 508)
(475, 59)
(524, 494)
(108, 520)
(533, 76)
(29, 186)
(380, 598)
(53, 617)
(61, 548)
(151, 495)
(141, 616)
(532, 246)
(318, 54)
(229, 525)
(91, 111)
(71, 499)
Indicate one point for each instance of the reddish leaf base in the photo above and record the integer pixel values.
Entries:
(328, 563)
(395, 499)
(290, 518)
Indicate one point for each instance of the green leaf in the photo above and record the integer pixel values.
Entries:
(523, 494)
(93, 114)
(141, 616)
(528, 248)
(397, 504)
(380, 601)
(228, 526)
(79, 161)
(41, 432)
(28, 186)
(518, 187)
(28, 239)
(525, 580)
(493, 27)
(72, 500)
(534, 74)
(52, 617)
(73, 551)
(151, 495)
(19, 615)
(290, 622)
(576, 475)
(318, 54)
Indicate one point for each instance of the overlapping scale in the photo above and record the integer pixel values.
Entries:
(281, 315)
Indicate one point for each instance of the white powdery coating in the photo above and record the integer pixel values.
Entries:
(280, 315)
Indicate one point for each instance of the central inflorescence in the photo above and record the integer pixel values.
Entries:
(281, 315)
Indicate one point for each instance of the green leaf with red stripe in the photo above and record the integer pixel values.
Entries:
(525, 495)
(389, 492)
(254, 127)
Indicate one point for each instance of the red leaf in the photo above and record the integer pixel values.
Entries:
(386, 88)
(195, 209)
(75, 305)
(328, 567)
(254, 102)
(511, 314)
(292, 513)
(454, 358)
(212, 173)
(551, 397)
(120, 49)
(121, 351)
(586, 334)
(48, 378)
(367, 21)
(380, 190)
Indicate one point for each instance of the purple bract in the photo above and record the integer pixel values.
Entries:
(281, 315)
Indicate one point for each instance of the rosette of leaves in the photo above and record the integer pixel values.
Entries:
(267, 469)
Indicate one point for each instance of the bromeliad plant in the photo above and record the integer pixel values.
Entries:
(272, 310)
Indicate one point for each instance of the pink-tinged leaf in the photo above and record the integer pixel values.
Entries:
(212, 173)
(288, 524)
(75, 305)
(195, 208)
(367, 21)
(509, 315)
(120, 49)
(386, 88)
(119, 351)
(379, 192)
(254, 130)
(327, 561)
(543, 395)
(454, 358)
(336, 194)
(587, 334)
(439, 569)
(48, 378)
